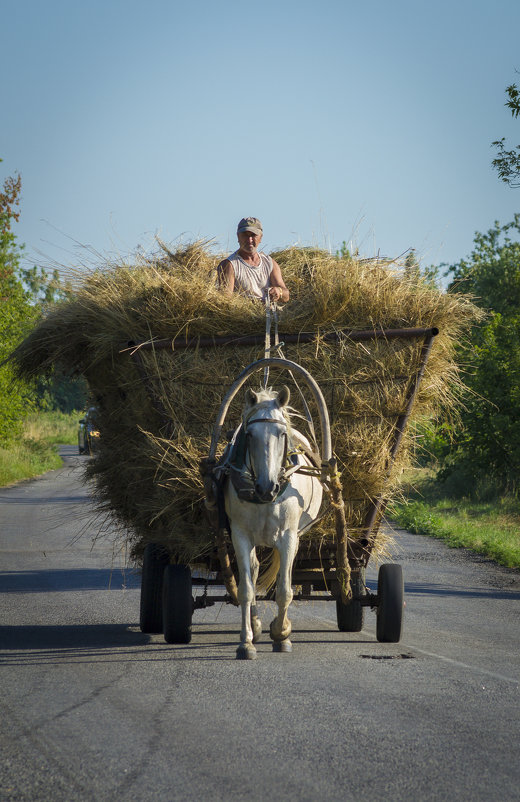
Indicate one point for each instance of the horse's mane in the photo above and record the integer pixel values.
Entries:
(266, 394)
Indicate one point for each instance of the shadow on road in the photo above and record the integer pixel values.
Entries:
(94, 643)
(430, 589)
(39, 501)
(66, 579)
(67, 638)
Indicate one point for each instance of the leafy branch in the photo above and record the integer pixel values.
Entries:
(507, 162)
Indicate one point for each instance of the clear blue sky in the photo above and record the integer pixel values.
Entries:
(335, 120)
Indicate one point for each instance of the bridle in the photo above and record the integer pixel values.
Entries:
(285, 435)
(236, 463)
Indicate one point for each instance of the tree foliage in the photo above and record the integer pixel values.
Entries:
(487, 449)
(24, 296)
(45, 288)
(57, 391)
(17, 314)
(507, 162)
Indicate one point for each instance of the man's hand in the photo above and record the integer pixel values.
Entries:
(275, 293)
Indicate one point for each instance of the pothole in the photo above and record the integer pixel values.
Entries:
(387, 656)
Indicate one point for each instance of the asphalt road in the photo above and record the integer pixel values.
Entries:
(93, 709)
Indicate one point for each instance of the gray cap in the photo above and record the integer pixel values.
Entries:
(250, 224)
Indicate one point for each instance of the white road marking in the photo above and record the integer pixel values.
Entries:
(465, 665)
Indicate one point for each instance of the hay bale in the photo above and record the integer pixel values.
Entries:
(154, 433)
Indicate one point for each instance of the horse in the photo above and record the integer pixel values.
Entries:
(268, 500)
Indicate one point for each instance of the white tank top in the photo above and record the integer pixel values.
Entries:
(252, 281)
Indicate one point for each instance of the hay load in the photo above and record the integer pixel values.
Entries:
(157, 405)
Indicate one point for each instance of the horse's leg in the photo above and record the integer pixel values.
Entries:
(256, 624)
(246, 595)
(281, 626)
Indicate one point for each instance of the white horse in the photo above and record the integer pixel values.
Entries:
(267, 502)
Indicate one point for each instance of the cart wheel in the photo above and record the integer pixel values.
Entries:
(390, 593)
(350, 616)
(177, 604)
(155, 558)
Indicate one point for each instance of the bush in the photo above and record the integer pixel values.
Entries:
(417, 518)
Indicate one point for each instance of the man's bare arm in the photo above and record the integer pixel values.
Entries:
(226, 277)
(277, 291)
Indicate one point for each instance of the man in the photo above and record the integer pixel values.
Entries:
(249, 272)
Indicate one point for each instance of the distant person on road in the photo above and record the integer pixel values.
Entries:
(246, 271)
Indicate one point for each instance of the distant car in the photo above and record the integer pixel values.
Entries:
(88, 432)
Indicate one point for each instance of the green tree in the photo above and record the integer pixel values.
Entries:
(412, 269)
(57, 391)
(17, 314)
(345, 253)
(507, 162)
(487, 449)
(61, 392)
(46, 288)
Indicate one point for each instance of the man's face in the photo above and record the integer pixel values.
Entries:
(249, 241)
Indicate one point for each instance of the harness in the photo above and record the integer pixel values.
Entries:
(235, 464)
(241, 471)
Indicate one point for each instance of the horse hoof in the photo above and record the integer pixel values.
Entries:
(246, 652)
(256, 626)
(282, 646)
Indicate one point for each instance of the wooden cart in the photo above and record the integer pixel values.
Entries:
(170, 593)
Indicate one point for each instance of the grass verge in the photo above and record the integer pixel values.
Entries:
(34, 453)
(490, 528)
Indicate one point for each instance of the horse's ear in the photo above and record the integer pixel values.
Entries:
(251, 397)
(283, 396)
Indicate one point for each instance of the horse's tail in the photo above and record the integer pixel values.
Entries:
(268, 576)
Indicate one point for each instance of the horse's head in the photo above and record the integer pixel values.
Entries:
(266, 423)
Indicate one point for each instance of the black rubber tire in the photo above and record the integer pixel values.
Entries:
(390, 593)
(155, 559)
(177, 604)
(350, 616)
